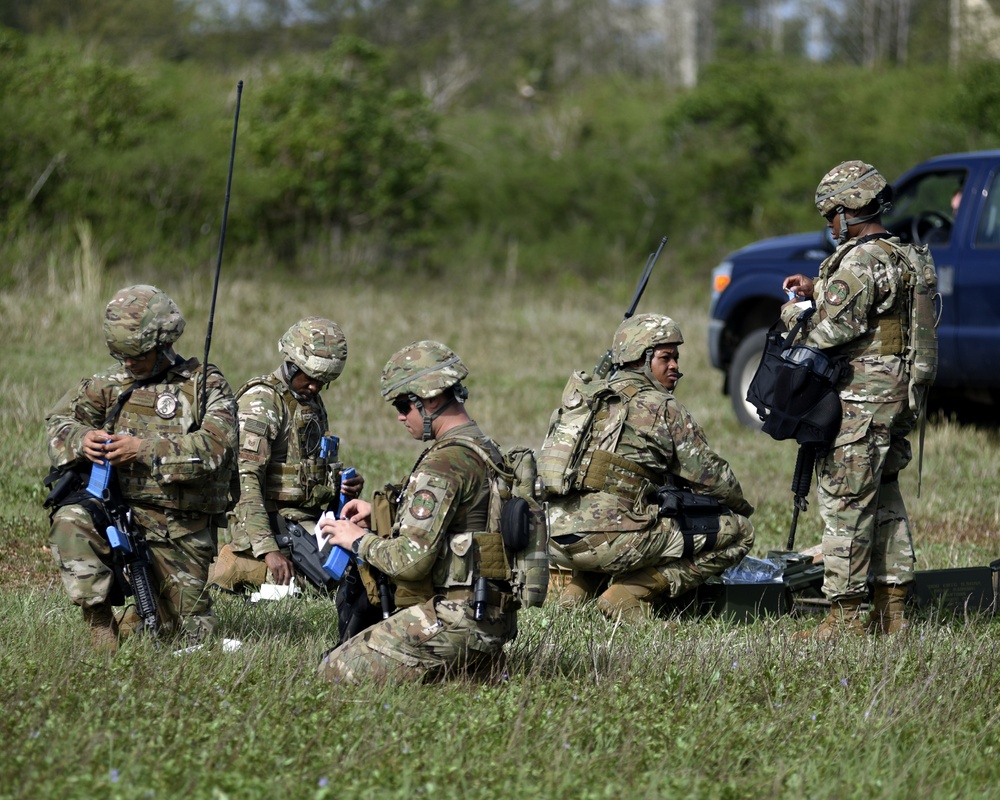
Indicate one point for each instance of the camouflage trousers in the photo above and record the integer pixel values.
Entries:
(179, 570)
(681, 560)
(866, 528)
(436, 639)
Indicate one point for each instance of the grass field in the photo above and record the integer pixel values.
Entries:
(590, 710)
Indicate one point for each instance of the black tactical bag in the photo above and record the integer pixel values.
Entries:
(795, 388)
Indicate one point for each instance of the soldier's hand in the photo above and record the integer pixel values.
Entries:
(352, 486)
(357, 511)
(340, 532)
(281, 567)
(800, 285)
(123, 449)
(94, 445)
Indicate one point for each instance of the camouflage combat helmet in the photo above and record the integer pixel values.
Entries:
(640, 333)
(139, 318)
(423, 369)
(317, 346)
(851, 186)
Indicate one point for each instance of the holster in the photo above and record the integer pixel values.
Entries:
(695, 514)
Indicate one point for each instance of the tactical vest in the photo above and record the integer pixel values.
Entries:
(474, 546)
(886, 331)
(603, 470)
(292, 481)
(575, 458)
(163, 409)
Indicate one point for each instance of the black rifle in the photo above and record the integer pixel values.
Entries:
(128, 543)
(805, 463)
(604, 365)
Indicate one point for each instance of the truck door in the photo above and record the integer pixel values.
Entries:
(977, 284)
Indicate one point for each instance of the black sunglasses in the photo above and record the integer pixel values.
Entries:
(402, 405)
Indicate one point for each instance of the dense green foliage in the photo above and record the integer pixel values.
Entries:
(487, 142)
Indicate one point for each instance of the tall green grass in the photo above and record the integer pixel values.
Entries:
(588, 709)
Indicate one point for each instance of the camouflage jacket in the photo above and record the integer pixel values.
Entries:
(860, 296)
(182, 471)
(447, 494)
(278, 463)
(661, 436)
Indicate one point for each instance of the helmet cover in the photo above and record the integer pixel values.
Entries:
(139, 318)
(425, 369)
(851, 185)
(639, 333)
(317, 346)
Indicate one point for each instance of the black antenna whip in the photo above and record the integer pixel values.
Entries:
(218, 266)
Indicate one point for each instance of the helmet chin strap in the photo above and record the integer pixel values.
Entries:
(288, 372)
(647, 369)
(458, 395)
(845, 222)
(427, 434)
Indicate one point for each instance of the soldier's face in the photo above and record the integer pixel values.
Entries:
(142, 365)
(304, 386)
(664, 366)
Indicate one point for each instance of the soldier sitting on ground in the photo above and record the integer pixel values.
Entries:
(626, 544)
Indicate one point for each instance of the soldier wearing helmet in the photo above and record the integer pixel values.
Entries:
(289, 467)
(167, 426)
(612, 529)
(434, 550)
(860, 300)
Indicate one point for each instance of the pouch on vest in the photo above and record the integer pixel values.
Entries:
(794, 388)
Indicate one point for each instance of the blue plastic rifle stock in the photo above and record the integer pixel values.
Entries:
(338, 559)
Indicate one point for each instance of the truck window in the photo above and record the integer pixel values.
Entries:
(988, 232)
(924, 208)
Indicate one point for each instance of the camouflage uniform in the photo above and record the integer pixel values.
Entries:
(282, 469)
(430, 554)
(645, 439)
(176, 485)
(861, 301)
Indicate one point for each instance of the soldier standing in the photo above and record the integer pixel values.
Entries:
(454, 615)
(861, 301)
(172, 463)
(610, 528)
(288, 467)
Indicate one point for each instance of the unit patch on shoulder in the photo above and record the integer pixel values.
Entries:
(836, 293)
(423, 504)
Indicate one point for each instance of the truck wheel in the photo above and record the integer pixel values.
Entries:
(741, 372)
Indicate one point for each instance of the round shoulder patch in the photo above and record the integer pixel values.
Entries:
(836, 293)
(423, 504)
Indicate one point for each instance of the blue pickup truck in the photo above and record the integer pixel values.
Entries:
(951, 202)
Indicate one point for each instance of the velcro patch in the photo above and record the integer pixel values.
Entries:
(143, 397)
(254, 426)
(836, 293)
(423, 504)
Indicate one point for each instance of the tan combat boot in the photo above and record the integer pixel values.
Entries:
(628, 597)
(103, 628)
(888, 612)
(583, 586)
(844, 620)
(236, 571)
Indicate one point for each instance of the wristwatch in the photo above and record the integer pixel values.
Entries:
(356, 544)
